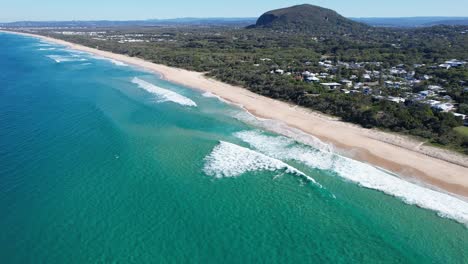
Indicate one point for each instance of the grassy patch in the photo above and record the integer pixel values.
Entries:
(462, 131)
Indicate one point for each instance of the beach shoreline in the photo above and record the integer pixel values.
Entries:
(402, 155)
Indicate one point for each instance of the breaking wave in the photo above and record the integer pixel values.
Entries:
(115, 62)
(60, 59)
(43, 49)
(365, 175)
(118, 63)
(231, 160)
(211, 95)
(282, 129)
(164, 95)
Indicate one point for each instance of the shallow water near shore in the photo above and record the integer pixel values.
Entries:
(103, 162)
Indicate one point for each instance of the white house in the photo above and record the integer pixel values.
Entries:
(345, 91)
(455, 63)
(426, 93)
(347, 83)
(396, 99)
(445, 66)
(279, 71)
(463, 117)
(331, 86)
(446, 107)
(434, 87)
(433, 102)
(312, 79)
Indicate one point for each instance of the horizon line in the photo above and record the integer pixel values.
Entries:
(175, 18)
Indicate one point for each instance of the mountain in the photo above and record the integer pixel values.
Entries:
(405, 22)
(451, 22)
(307, 18)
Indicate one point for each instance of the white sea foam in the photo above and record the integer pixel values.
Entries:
(365, 175)
(60, 58)
(115, 62)
(118, 63)
(230, 160)
(282, 129)
(43, 49)
(164, 95)
(211, 95)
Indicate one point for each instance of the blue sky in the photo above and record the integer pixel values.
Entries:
(14, 10)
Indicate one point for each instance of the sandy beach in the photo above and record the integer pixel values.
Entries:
(402, 155)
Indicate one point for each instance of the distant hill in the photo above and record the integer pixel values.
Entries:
(307, 18)
(412, 21)
(152, 22)
(454, 22)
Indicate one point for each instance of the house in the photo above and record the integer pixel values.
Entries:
(347, 83)
(445, 107)
(345, 91)
(396, 99)
(324, 74)
(279, 71)
(358, 85)
(434, 87)
(432, 102)
(426, 93)
(311, 79)
(445, 66)
(462, 116)
(331, 86)
(455, 63)
(307, 74)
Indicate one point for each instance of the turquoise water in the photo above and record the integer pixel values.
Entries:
(105, 163)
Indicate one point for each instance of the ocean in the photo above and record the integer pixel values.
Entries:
(103, 162)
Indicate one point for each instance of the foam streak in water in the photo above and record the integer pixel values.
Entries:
(115, 62)
(363, 174)
(60, 59)
(164, 94)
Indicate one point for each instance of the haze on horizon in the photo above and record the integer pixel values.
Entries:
(50, 10)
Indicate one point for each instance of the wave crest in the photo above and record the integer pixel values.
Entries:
(60, 58)
(231, 160)
(164, 94)
(361, 173)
